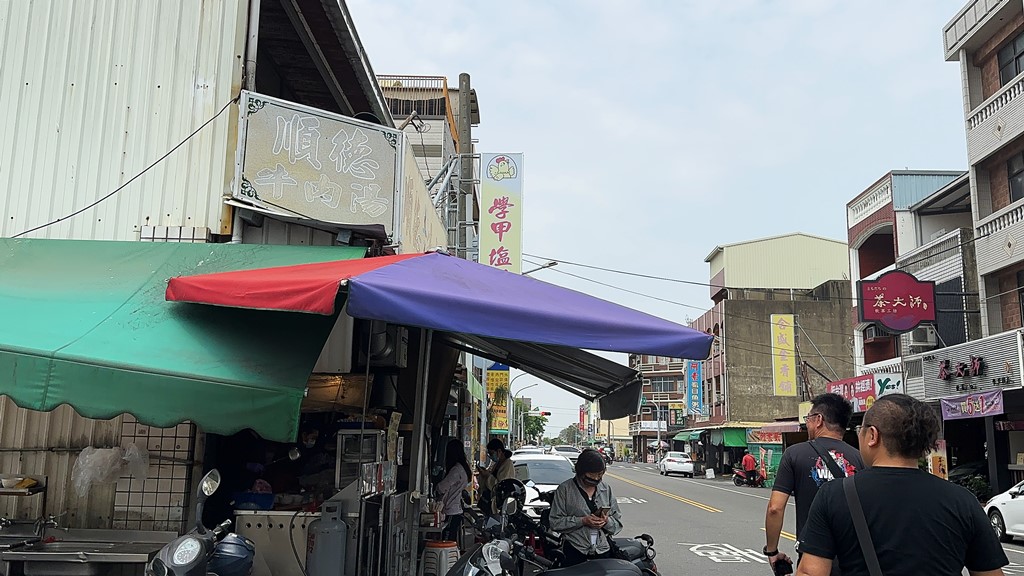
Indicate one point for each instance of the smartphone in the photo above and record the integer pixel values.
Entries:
(604, 512)
(783, 567)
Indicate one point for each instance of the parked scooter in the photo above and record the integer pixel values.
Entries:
(204, 551)
(519, 539)
(741, 478)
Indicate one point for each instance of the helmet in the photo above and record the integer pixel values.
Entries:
(510, 488)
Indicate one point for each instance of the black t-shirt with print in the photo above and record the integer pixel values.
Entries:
(919, 523)
(802, 472)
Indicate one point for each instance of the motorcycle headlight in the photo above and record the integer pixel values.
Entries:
(187, 551)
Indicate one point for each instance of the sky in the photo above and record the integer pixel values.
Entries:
(654, 131)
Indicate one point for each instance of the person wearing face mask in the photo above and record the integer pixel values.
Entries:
(584, 511)
(501, 469)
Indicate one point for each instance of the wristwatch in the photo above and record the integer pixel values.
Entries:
(770, 554)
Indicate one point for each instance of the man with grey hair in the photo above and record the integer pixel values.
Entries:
(911, 522)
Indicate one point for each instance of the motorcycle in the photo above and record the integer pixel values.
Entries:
(202, 550)
(519, 539)
(740, 478)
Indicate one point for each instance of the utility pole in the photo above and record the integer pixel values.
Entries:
(465, 195)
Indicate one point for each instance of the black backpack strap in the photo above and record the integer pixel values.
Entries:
(860, 523)
(590, 502)
(829, 461)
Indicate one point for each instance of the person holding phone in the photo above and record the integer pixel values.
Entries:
(501, 468)
(584, 511)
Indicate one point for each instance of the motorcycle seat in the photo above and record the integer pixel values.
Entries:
(596, 568)
(630, 548)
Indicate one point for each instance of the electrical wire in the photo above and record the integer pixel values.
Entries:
(703, 309)
(133, 178)
(706, 284)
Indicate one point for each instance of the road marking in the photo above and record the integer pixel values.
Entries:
(727, 553)
(784, 534)
(628, 500)
(1013, 550)
(665, 494)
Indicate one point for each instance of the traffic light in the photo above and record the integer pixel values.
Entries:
(545, 413)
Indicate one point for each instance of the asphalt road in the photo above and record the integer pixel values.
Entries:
(710, 527)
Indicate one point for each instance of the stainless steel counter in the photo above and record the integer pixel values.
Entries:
(109, 552)
(85, 553)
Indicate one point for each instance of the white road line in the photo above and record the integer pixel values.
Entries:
(1013, 550)
(709, 485)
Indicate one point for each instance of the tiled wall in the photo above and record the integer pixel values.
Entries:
(161, 501)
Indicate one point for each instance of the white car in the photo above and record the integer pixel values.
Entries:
(541, 473)
(527, 451)
(676, 463)
(570, 452)
(1006, 512)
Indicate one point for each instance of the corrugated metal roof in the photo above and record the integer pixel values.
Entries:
(910, 187)
(777, 237)
(103, 89)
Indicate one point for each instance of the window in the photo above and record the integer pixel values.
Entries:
(664, 384)
(1011, 60)
(1015, 174)
(662, 414)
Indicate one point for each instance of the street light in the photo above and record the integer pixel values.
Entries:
(657, 421)
(515, 419)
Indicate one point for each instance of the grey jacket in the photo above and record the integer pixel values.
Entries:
(567, 512)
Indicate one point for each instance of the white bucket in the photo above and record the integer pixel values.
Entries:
(709, 474)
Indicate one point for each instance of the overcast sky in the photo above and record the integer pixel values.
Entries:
(655, 130)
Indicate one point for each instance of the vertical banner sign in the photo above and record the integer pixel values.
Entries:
(676, 414)
(501, 211)
(695, 388)
(783, 355)
(497, 397)
(583, 417)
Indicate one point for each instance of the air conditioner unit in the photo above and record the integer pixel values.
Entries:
(924, 337)
(873, 333)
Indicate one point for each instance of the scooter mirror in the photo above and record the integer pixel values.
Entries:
(531, 483)
(511, 506)
(294, 454)
(208, 485)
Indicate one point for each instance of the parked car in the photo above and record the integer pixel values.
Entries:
(541, 473)
(570, 452)
(676, 463)
(525, 450)
(1006, 513)
(960, 473)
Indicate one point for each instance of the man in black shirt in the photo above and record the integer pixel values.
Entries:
(802, 470)
(919, 523)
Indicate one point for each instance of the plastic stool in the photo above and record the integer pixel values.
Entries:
(438, 557)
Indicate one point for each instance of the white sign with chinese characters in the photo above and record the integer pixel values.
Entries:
(313, 164)
(501, 211)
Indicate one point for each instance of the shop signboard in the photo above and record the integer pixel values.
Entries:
(676, 414)
(309, 163)
(695, 388)
(862, 390)
(497, 396)
(976, 405)
(583, 417)
(501, 211)
(898, 301)
(758, 436)
(990, 363)
(421, 228)
(783, 354)
(937, 464)
(647, 426)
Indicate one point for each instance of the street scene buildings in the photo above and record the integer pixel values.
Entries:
(228, 243)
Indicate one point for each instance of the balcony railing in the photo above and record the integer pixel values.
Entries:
(1001, 220)
(425, 95)
(995, 103)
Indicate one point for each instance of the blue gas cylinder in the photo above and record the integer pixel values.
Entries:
(326, 541)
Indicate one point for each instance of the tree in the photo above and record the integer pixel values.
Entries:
(569, 435)
(533, 426)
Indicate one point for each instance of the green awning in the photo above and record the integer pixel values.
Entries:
(476, 389)
(85, 323)
(734, 437)
(687, 435)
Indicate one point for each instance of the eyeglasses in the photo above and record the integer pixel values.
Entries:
(814, 414)
(857, 429)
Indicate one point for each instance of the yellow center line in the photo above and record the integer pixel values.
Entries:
(785, 535)
(665, 494)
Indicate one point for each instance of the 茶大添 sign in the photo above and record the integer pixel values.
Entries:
(896, 300)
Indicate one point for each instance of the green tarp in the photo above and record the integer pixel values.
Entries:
(734, 437)
(687, 435)
(85, 323)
